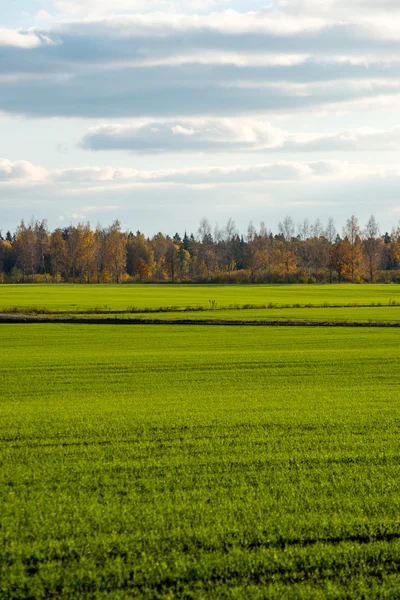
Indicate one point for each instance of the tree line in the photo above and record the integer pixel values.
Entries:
(306, 252)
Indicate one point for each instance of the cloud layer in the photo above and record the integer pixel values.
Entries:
(198, 135)
(232, 135)
(88, 179)
(225, 63)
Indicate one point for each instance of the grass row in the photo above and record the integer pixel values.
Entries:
(213, 307)
(78, 298)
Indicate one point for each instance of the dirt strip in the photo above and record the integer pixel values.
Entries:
(191, 309)
(17, 318)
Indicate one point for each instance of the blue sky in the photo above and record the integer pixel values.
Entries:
(160, 112)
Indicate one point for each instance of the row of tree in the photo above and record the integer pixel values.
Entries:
(306, 253)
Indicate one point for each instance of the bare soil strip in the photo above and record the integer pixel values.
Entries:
(19, 318)
(26, 310)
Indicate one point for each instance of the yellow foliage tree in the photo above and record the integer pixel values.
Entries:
(352, 259)
(143, 271)
(115, 252)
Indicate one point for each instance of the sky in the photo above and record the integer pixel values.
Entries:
(162, 112)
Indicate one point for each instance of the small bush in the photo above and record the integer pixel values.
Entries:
(16, 275)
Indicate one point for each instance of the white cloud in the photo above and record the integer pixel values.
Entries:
(20, 171)
(179, 130)
(90, 209)
(354, 32)
(18, 39)
(357, 140)
(339, 9)
(282, 171)
(43, 17)
(165, 25)
(84, 174)
(103, 7)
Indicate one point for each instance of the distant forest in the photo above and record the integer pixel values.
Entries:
(306, 253)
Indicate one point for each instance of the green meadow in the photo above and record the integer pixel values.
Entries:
(198, 462)
(123, 297)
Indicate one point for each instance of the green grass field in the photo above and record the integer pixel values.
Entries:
(199, 462)
(120, 297)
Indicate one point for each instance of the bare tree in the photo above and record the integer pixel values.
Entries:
(351, 230)
(372, 246)
(230, 236)
(305, 248)
(287, 229)
(330, 231)
(330, 234)
(42, 236)
(204, 232)
(287, 247)
(251, 254)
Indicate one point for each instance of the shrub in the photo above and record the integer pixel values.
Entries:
(16, 275)
(41, 278)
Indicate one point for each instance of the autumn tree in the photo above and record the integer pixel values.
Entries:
(100, 236)
(142, 270)
(27, 250)
(184, 263)
(172, 260)
(115, 251)
(336, 259)
(7, 256)
(352, 249)
(159, 245)
(140, 257)
(58, 254)
(88, 258)
(74, 237)
(394, 247)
